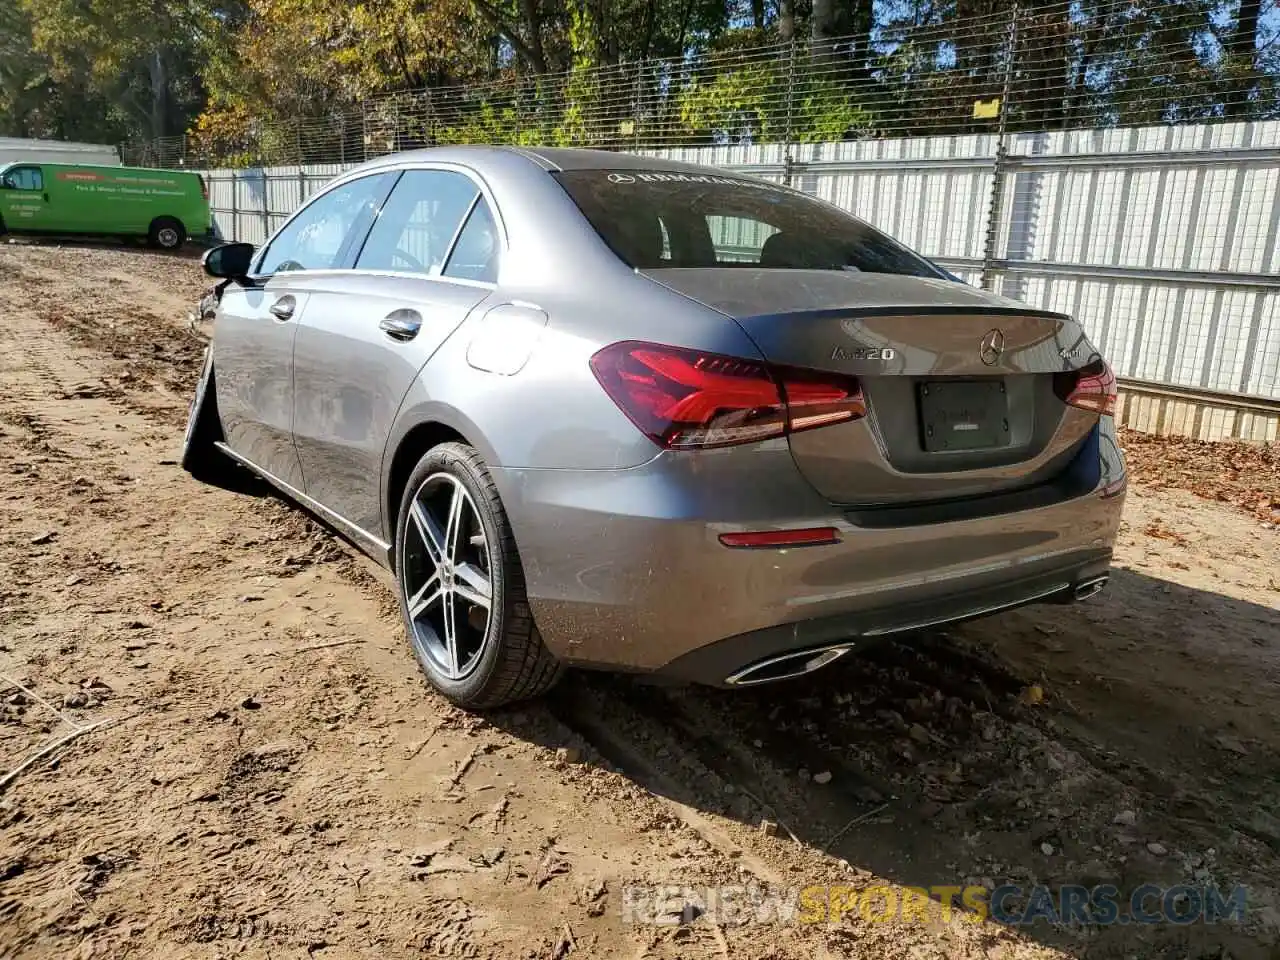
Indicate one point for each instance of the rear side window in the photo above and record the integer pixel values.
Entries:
(475, 255)
(655, 219)
(318, 237)
(418, 223)
(24, 178)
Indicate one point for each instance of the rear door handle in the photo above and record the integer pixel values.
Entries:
(401, 325)
(283, 308)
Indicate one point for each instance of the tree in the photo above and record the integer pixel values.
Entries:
(135, 54)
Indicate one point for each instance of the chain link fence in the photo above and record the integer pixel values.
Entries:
(1054, 66)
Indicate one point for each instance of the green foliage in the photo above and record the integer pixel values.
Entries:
(743, 105)
(490, 124)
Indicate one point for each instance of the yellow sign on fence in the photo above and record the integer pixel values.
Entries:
(986, 109)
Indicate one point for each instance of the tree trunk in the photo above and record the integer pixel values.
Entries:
(159, 75)
(532, 18)
(786, 20)
(855, 19)
(1242, 47)
(822, 29)
(757, 14)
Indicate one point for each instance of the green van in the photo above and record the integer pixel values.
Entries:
(165, 206)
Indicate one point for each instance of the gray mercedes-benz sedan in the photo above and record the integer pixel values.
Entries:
(613, 411)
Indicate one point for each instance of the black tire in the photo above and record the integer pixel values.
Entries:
(513, 664)
(200, 457)
(167, 233)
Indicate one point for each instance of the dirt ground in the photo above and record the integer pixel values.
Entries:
(275, 780)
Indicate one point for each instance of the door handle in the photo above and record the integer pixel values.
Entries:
(402, 325)
(283, 308)
(46, 198)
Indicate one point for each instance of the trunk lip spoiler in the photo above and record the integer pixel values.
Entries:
(1008, 309)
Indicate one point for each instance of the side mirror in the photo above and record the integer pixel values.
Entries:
(230, 261)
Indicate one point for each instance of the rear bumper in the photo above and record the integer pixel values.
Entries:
(747, 657)
(625, 570)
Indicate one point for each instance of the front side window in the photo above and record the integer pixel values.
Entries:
(24, 178)
(418, 223)
(654, 219)
(318, 236)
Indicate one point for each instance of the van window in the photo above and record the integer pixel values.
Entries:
(319, 236)
(418, 223)
(24, 178)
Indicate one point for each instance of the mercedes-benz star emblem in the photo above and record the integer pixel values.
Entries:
(992, 347)
(621, 178)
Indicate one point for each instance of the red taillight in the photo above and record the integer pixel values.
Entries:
(1092, 387)
(684, 398)
(808, 537)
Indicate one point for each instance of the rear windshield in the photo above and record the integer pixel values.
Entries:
(653, 220)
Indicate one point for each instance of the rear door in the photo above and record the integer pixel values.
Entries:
(257, 323)
(430, 258)
(24, 200)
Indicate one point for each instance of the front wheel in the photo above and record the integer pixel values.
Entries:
(200, 457)
(167, 233)
(462, 591)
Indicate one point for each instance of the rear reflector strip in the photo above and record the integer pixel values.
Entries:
(808, 537)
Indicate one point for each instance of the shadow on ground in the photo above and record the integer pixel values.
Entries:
(943, 770)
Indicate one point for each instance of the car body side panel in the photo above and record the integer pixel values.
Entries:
(350, 378)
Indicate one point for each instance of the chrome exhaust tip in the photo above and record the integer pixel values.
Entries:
(1089, 588)
(787, 665)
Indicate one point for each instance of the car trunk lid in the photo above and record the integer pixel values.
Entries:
(959, 383)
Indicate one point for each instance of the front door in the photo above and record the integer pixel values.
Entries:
(257, 323)
(430, 258)
(24, 200)
(252, 366)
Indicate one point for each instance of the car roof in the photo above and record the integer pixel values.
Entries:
(548, 158)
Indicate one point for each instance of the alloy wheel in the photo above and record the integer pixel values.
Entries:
(446, 576)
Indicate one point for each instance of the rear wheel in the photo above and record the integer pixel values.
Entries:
(167, 233)
(462, 591)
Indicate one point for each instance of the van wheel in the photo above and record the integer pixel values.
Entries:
(167, 233)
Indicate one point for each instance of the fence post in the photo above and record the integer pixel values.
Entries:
(266, 206)
(991, 241)
(364, 129)
(789, 128)
(635, 105)
(235, 208)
